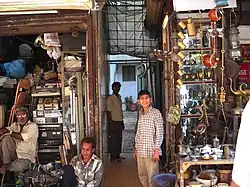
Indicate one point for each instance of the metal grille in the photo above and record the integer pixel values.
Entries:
(125, 25)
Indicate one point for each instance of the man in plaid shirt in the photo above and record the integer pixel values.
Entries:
(84, 170)
(148, 139)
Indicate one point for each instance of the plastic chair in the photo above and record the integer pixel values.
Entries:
(164, 180)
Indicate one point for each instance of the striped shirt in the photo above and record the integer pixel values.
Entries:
(149, 135)
(90, 174)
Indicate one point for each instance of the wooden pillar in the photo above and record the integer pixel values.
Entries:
(90, 79)
(95, 67)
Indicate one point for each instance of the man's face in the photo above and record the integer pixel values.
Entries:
(87, 151)
(145, 101)
(116, 89)
(22, 117)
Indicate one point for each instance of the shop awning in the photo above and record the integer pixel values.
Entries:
(31, 5)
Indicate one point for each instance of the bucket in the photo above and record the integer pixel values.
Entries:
(164, 180)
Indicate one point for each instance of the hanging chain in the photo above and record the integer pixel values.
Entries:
(222, 89)
(172, 127)
(201, 53)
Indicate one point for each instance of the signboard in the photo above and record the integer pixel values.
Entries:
(188, 5)
(27, 5)
(244, 74)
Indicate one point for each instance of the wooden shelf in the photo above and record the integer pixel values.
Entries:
(185, 164)
(194, 115)
(200, 82)
(45, 94)
(196, 49)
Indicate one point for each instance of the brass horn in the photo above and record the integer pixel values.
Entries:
(245, 92)
(237, 92)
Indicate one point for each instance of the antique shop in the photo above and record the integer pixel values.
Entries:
(45, 54)
(54, 61)
(206, 69)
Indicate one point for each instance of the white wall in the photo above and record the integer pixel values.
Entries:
(186, 5)
(128, 88)
(244, 35)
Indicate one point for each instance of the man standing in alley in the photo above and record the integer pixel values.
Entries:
(115, 122)
(148, 139)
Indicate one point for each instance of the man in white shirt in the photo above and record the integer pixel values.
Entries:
(115, 123)
(18, 143)
(241, 172)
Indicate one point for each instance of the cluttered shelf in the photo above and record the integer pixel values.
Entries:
(195, 115)
(186, 163)
(197, 49)
(200, 82)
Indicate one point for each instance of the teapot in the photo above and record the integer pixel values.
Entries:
(206, 150)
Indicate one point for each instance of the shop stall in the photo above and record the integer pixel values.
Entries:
(63, 70)
(203, 97)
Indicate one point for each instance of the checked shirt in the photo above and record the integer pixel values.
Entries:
(149, 135)
(90, 174)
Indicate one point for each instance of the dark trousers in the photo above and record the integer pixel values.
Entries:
(69, 177)
(115, 138)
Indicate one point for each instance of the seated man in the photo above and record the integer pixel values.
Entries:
(86, 169)
(18, 143)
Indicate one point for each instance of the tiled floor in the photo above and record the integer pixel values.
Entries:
(121, 174)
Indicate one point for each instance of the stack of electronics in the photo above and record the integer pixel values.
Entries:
(47, 114)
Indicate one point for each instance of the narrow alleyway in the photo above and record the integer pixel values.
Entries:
(123, 174)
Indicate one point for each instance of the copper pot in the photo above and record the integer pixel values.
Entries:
(210, 60)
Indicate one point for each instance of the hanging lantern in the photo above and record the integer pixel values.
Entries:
(181, 35)
(182, 25)
(182, 45)
(234, 41)
(221, 3)
(179, 83)
(191, 27)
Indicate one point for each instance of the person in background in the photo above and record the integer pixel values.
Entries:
(84, 170)
(148, 139)
(115, 123)
(241, 172)
(18, 143)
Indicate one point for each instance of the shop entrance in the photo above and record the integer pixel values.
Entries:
(52, 98)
